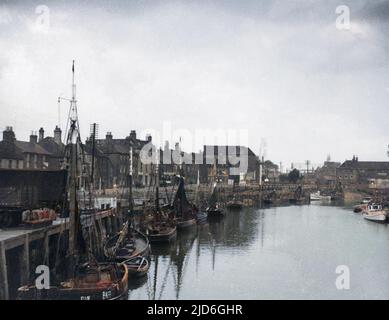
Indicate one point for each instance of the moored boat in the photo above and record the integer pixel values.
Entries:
(376, 213)
(127, 244)
(317, 196)
(137, 267)
(161, 232)
(201, 217)
(184, 211)
(104, 281)
(234, 205)
(215, 210)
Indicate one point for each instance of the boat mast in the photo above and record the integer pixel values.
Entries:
(92, 177)
(157, 182)
(130, 199)
(73, 141)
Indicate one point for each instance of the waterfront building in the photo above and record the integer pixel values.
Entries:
(363, 172)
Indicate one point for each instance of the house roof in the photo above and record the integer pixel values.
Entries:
(365, 165)
(30, 147)
(10, 151)
(52, 147)
(225, 150)
(120, 146)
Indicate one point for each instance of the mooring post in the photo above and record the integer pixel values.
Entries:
(25, 266)
(109, 225)
(4, 293)
(47, 250)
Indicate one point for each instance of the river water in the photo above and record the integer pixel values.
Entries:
(275, 253)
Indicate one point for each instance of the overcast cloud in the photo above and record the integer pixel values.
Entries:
(280, 69)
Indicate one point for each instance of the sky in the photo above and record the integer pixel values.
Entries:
(296, 86)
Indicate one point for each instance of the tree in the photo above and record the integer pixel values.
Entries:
(294, 176)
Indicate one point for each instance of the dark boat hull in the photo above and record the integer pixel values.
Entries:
(186, 223)
(234, 206)
(137, 246)
(163, 236)
(137, 267)
(215, 214)
(201, 217)
(115, 289)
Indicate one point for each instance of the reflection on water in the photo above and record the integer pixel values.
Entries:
(285, 253)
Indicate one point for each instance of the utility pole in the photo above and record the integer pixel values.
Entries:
(307, 163)
(131, 203)
(93, 133)
(261, 161)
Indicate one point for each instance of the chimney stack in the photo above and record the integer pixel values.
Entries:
(41, 134)
(33, 137)
(108, 136)
(133, 134)
(57, 135)
(8, 135)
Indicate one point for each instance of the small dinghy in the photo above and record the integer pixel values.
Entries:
(234, 205)
(201, 217)
(137, 267)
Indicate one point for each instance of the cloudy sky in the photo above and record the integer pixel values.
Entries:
(281, 70)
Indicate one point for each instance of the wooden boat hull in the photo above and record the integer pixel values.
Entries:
(137, 246)
(201, 217)
(215, 214)
(186, 223)
(378, 217)
(137, 267)
(234, 206)
(167, 236)
(114, 289)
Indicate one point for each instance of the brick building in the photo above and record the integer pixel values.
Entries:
(363, 172)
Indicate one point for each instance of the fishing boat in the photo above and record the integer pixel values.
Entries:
(317, 196)
(201, 215)
(184, 211)
(127, 244)
(375, 212)
(215, 210)
(162, 227)
(234, 205)
(92, 282)
(86, 279)
(137, 266)
(160, 231)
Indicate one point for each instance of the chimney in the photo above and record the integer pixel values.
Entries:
(108, 136)
(33, 137)
(8, 135)
(133, 134)
(41, 134)
(57, 135)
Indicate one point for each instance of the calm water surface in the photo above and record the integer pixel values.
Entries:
(276, 253)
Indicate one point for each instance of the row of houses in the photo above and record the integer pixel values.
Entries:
(114, 155)
(39, 153)
(373, 174)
